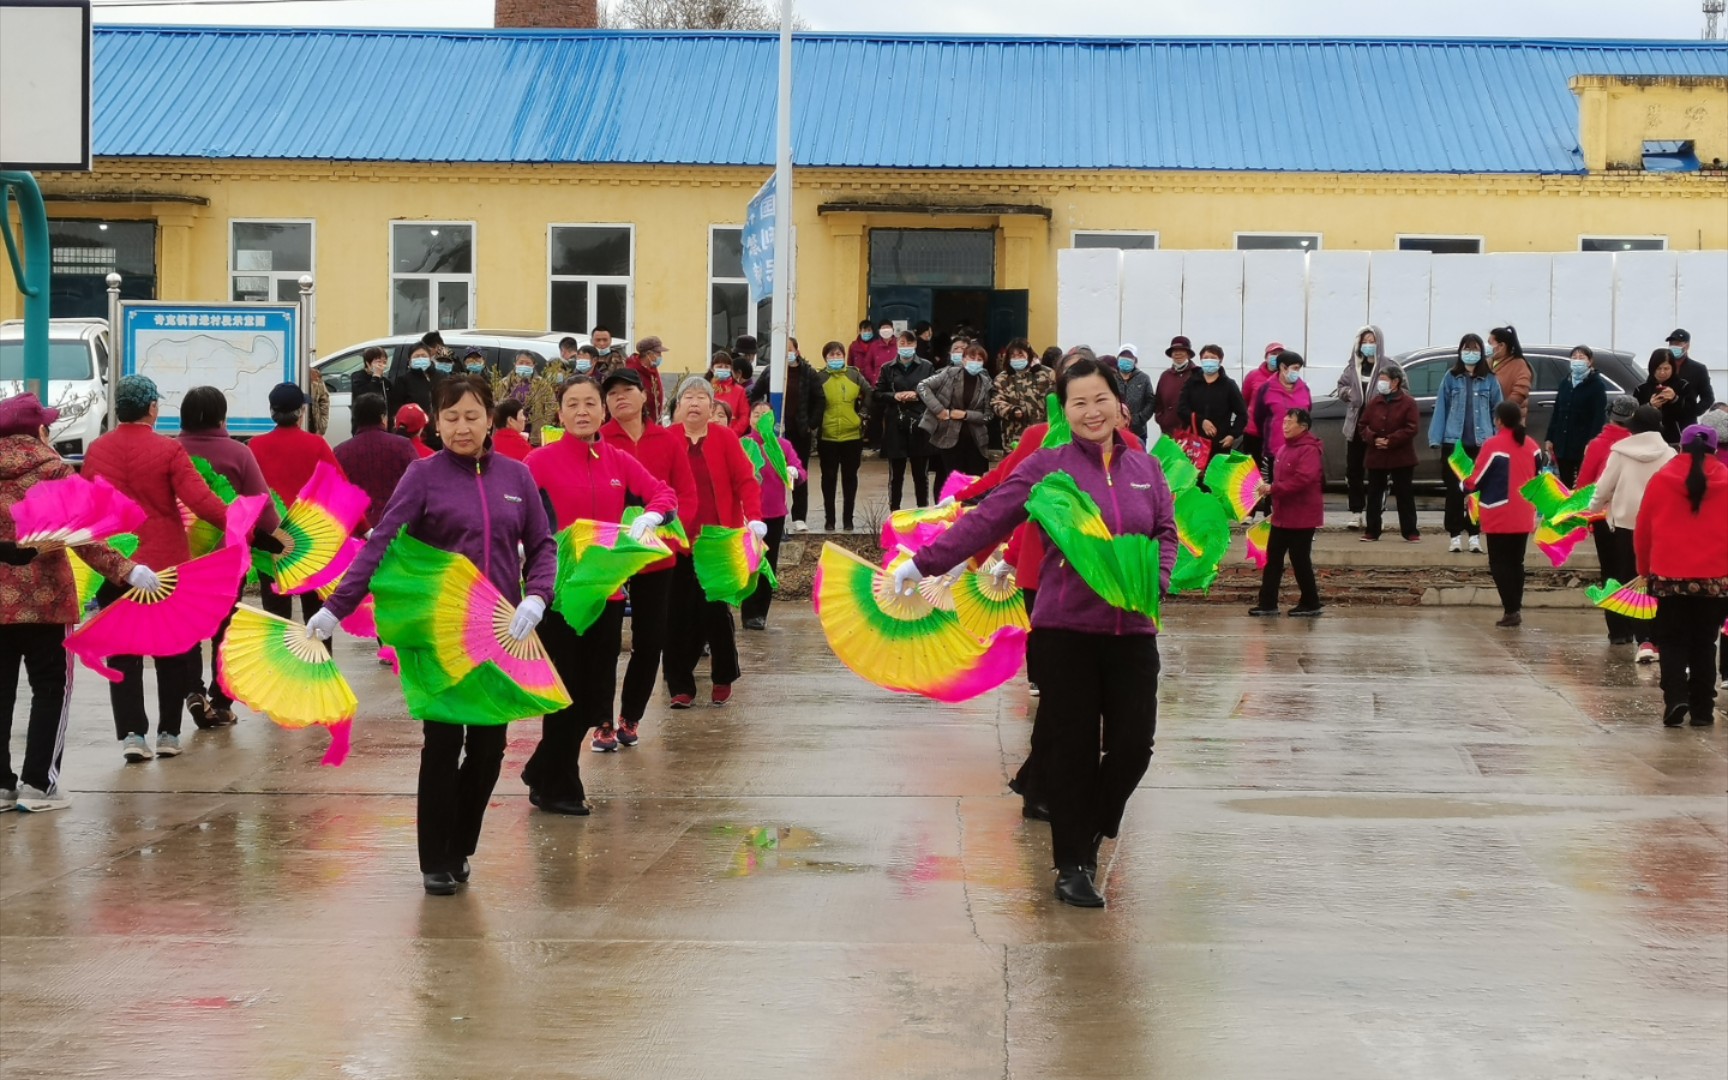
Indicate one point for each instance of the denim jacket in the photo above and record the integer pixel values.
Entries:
(1447, 425)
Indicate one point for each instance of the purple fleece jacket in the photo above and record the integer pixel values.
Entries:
(480, 509)
(1133, 497)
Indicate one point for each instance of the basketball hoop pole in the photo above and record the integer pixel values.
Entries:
(30, 267)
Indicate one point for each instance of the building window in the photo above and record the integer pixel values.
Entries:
(1277, 241)
(266, 259)
(83, 253)
(730, 312)
(1622, 243)
(959, 258)
(591, 267)
(1120, 241)
(1442, 245)
(431, 276)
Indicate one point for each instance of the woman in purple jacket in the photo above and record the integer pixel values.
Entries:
(1096, 657)
(1298, 505)
(471, 502)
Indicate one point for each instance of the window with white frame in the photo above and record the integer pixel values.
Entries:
(1622, 243)
(591, 268)
(730, 312)
(1441, 245)
(431, 276)
(1121, 240)
(1277, 241)
(266, 259)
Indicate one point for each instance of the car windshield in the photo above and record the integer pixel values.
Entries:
(68, 361)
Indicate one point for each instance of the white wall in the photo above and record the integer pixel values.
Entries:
(1311, 302)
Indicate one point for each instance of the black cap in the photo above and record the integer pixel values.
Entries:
(286, 397)
(621, 375)
(1681, 337)
(745, 344)
(473, 352)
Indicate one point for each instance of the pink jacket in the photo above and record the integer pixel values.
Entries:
(774, 488)
(592, 480)
(1251, 384)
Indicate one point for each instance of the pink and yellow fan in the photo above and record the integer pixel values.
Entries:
(273, 666)
(1632, 600)
(316, 529)
(902, 643)
(1558, 545)
(1258, 536)
(363, 623)
(72, 511)
(185, 609)
(916, 528)
(1233, 479)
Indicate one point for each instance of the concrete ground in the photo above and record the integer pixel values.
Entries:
(1386, 843)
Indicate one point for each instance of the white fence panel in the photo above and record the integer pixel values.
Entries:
(1701, 307)
(1581, 311)
(1458, 299)
(1337, 308)
(1089, 297)
(1212, 301)
(1644, 300)
(1398, 298)
(1521, 294)
(1152, 298)
(1274, 304)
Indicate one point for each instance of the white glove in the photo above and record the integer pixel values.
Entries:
(643, 527)
(322, 624)
(143, 579)
(759, 528)
(1000, 571)
(906, 578)
(945, 503)
(528, 614)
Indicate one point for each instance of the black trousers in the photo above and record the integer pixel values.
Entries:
(218, 696)
(454, 789)
(839, 463)
(1569, 471)
(1030, 597)
(1686, 631)
(176, 676)
(800, 440)
(41, 648)
(963, 457)
(694, 620)
(1506, 567)
(1253, 446)
(650, 595)
(588, 664)
(1298, 544)
(1403, 483)
(1457, 518)
(1093, 739)
(1619, 561)
(897, 468)
(1356, 473)
(755, 606)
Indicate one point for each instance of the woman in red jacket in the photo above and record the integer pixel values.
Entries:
(1506, 463)
(581, 477)
(728, 392)
(727, 495)
(1298, 507)
(1387, 431)
(1682, 542)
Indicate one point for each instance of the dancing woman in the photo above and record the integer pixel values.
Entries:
(1094, 658)
(468, 501)
(582, 477)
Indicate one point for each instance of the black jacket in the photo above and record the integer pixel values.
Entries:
(901, 435)
(804, 401)
(1698, 377)
(414, 388)
(1220, 402)
(364, 382)
(1579, 415)
(1678, 414)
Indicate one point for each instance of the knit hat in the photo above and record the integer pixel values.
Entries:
(133, 398)
(411, 419)
(1716, 420)
(1698, 433)
(24, 415)
(1621, 407)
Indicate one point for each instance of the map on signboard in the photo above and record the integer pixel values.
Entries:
(243, 354)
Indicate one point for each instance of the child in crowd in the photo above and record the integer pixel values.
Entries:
(774, 496)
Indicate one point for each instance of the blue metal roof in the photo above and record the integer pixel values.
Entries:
(879, 101)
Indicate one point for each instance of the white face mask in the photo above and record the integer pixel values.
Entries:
(1383, 387)
(524, 370)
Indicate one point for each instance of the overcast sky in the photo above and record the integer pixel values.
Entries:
(1262, 18)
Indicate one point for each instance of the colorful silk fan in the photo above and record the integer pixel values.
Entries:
(1059, 432)
(729, 562)
(1258, 536)
(773, 453)
(450, 628)
(202, 536)
(273, 666)
(315, 528)
(1473, 507)
(1632, 600)
(190, 603)
(72, 511)
(1461, 463)
(1558, 544)
(1233, 479)
(915, 528)
(550, 434)
(901, 643)
(363, 621)
(595, 559)
(1202, 541)
(954, 485)
(84, 576)
(1556, 505)
(984, 607)
(1179, 471)
(1123, 570)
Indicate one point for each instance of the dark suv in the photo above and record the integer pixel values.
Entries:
(1423, 369)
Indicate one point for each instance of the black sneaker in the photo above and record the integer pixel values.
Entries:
(1675, 715)
(1262, 612)
(1303, 611)
(1700, 718)
(755, 623)
(202, 715)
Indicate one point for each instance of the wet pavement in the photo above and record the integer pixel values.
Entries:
(1379, 844)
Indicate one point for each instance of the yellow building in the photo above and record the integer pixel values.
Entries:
(603, 177)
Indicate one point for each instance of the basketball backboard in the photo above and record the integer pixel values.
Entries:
(45, 85)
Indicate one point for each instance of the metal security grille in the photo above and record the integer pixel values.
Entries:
(932, 257)
(84, 253)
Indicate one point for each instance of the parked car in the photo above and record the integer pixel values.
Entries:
(1423, 370)
(499, 346)
(77, 378)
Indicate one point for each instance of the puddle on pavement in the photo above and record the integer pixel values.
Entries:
(770, 848)
(1383, 807)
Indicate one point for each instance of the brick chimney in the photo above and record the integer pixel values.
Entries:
(546, 14)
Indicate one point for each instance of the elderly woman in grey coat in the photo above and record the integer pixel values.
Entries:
(957, 415)
(1368, 358)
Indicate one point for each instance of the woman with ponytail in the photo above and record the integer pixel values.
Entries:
(1507, 462)
(1682, 541)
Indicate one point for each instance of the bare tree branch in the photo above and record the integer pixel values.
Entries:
(695, 15)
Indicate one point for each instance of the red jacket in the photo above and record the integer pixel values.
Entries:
(737, 399)
(1502, 467)
(652, 386)
(288, 455)
(1395, 420)
(42, 590)
(1671, 540)
(511, 443)
(592, 479)
(1596, 453)
(1298, 475)
(661, 451)
(155, 472)
(737, 492)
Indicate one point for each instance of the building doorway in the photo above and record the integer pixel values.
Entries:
(945, 277)
(85, 252)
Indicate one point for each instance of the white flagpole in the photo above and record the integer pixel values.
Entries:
(782, 218)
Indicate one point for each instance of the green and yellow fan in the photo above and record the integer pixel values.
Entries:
(273, 666)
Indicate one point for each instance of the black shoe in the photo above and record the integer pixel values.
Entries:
(755, 623)
(1034, 809)
(199, 707)
(222, 716)
(1074, 887)
(442, 883)
(1303, 611)
(1627, 640)
(1703, 717)
(1675, 716)
(1509, 621)
(567, 807)
(464, 873)
(1262, 612)
(533, 797)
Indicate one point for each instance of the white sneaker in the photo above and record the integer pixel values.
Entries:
(800, 527)
(1457, 544)
(1032, 690)
(8, 799)
(1355, 521)
(1476, 545)
(167, 745)
(135, 748)
(36, 801)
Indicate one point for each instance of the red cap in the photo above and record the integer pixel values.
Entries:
(25, 415)
(1273, 349)
(411, 418)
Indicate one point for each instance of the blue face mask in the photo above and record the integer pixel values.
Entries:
(974, 367)
(1471, 359)
(957, 358)
(1124, 364)
(723, 374)
(420, 363)
(1369, 349)
(835, 363)
(866, 335)
(583, 367)
(443, 366)
(1018, 364)
(475, 367)
(1676, 351)
(1292, 375)
(1272, 362)
(907, 354)
(524, 370)
(1210, 367)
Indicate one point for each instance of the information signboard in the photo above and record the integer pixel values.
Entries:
(242, 350)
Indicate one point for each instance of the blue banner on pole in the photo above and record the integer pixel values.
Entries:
(759, 244)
